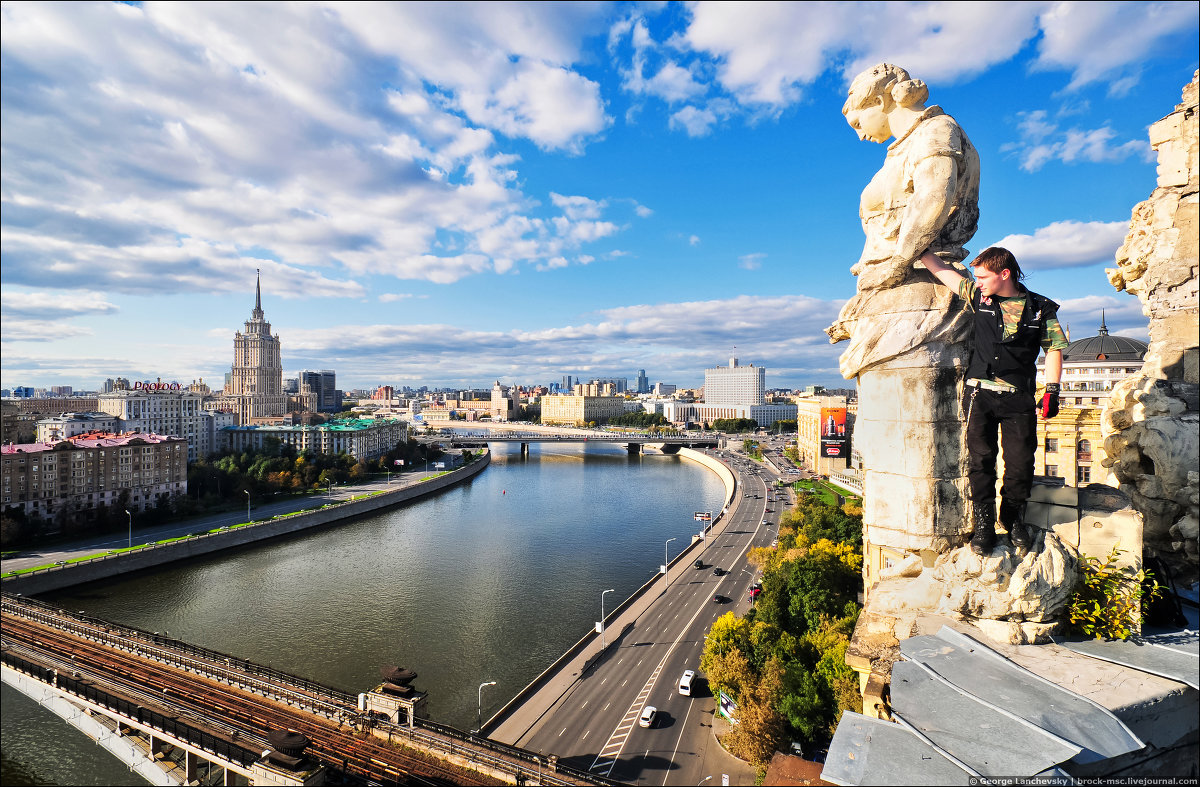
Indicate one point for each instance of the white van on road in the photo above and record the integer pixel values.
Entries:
(685, 683)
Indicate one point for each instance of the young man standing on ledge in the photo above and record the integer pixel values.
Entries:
(1012, 325)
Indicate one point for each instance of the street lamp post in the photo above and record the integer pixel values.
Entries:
(247, 491)
(666, 564)
(130, 527)
(479, 705)
(603, 644)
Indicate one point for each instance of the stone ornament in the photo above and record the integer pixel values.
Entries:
(1152, 419)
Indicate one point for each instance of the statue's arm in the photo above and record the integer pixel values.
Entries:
(935, 180)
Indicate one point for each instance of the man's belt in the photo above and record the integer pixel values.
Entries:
(988, 385)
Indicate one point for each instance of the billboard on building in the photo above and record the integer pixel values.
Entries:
(834, 441)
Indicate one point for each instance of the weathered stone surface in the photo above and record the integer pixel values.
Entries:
(1006, 586)
(1150, 422)
(912, 513)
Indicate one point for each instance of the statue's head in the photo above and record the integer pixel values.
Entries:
(878, 92)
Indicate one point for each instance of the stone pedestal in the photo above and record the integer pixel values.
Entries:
(909, 425)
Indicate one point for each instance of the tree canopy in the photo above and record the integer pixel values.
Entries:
(784, 662)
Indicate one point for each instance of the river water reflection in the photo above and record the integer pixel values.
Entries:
(490, 581)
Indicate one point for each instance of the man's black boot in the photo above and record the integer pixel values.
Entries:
(984, 538)
(1012, 516)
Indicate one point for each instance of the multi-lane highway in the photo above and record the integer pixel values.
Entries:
(595, 724)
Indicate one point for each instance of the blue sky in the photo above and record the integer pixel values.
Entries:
(450, 194)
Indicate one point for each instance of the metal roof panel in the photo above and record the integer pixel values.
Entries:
(870, 751)
(982, 672)
(985, 739)
(1174, 656)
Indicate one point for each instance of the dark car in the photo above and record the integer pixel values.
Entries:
(718, 598)
(699, 564)
(718, 572)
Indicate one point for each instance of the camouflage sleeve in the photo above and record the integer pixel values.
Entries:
(966, 291)
(1053, 335)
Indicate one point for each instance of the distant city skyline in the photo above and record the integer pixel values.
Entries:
(453, 194)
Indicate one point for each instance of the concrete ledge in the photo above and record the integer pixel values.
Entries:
(107, 566)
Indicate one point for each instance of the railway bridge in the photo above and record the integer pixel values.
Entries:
(181, 714)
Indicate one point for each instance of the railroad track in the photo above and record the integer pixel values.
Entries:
(192, 691)
(319, 699)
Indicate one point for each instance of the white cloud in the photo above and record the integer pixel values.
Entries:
(553, 106)
(392, 297)
(1104, 41)
(676, 340)
(673, 83)
(577, 207)
(1041, 141)
(697, 122)
(1067, 244)
(642, 211)
(45, 305)
(24, 330)
(767, 53)
(751, 262)
(694, 240)
(1121, 313)
(190, 144)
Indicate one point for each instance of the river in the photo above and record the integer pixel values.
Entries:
(489, 581)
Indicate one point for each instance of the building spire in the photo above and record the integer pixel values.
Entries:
(1103, 326)
(258, 312)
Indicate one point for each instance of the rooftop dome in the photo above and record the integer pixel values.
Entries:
(1104, 347)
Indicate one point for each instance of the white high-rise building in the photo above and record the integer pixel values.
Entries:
(733, 385)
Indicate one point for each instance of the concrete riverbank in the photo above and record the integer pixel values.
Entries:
(105, 566)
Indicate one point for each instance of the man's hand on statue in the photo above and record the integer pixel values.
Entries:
(1050, 401)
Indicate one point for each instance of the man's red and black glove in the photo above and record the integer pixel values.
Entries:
(1050, 401)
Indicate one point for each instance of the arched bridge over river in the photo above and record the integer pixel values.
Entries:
(633, 441)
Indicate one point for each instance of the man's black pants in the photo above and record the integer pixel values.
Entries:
(1014, 416)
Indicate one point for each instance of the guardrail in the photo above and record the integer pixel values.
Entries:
(97, 628)
(195, 736)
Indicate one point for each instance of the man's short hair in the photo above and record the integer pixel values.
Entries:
(997, 259)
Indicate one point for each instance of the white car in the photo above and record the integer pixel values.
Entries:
(685, 683)
(647, 717)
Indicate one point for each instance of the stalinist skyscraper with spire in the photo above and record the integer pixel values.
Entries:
(256, 385)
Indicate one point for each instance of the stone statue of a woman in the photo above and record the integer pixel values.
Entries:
(926, 195)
